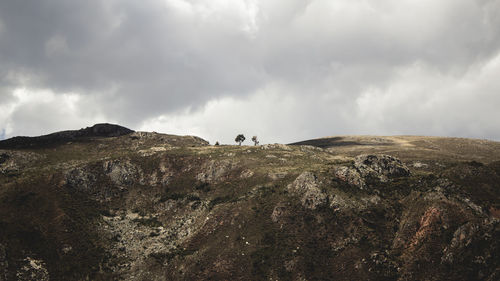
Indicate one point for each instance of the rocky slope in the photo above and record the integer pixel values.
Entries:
(124, 205)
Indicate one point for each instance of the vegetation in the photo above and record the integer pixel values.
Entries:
(255, 141)
(239, 139)
(148, 206)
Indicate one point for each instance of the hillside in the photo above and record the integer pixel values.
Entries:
(114, 204)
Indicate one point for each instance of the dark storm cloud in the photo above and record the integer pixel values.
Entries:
(326, 66)
(135, 54)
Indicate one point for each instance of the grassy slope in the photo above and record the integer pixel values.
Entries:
(234, 236)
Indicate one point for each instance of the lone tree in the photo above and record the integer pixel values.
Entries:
(240, 138)
(255, 141)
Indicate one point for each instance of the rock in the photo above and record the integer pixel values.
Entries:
(430, 223)
(151, 151)
(462, 238)
(277, 175)
(213, 171)
(121, 173)
(341, 202)
(379, 167)
(13, 162)
(246, 174)
(419, 165)
(276, 146)
(145, 136)
(307, 185)
(310, 148)
(3, 157)
(350, 176)
(382, 167)
(33, 269)
(81, 179)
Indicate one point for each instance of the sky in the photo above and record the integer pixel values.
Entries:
(284, 70)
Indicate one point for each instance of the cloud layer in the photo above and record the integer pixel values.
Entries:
(284, 70)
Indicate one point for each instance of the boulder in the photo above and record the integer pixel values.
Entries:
(382, 167)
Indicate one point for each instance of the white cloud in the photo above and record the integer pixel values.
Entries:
(421, 100)
(266, 113)
(36, 112)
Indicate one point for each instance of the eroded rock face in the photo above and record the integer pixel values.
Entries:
(86, 179)
(142, 241)
(307, 186)
(121, 173)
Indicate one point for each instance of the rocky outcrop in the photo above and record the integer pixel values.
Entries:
(141, 241)
(214, 171)
(81, 179)
(307, 187)
(165, 139)
(13, 162)
(122, 173)
(276, 146)
(366, 168)
(383, 167)
(351, 176)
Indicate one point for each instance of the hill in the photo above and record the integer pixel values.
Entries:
(124, 205)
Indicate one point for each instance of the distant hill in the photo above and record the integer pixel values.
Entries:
(99, 130)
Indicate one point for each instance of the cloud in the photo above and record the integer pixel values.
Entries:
(282, 69)
(36, 112)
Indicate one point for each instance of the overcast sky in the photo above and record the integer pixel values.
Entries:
(285, 70)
